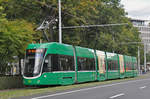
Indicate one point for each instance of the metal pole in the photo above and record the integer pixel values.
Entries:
(139, 60)
(113, 42)
(60, 30)
(145, 57)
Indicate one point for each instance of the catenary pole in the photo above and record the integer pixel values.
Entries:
(139, 60)
(145, 57)
(60, 28)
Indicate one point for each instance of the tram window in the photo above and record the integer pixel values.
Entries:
(92, 64)
(109, 65)
(135, 66)
(55, 65)
(81, 63)
(66, 63)
(128, 65)
(112, 65)
(115, 65)
(132, 64)
(86, 64)
(63, 63)
(54, 62)
(47, 64)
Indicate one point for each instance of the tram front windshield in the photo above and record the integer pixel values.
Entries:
(33, 62)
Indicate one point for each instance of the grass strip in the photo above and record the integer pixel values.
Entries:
(7, 94)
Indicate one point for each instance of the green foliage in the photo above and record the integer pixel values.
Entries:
(15, 36)
(16, 82)
(21, 16)
(148, 57)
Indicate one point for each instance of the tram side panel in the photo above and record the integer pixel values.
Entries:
(85, 64)
(113, 71)
(128, 66)
(64, 65)
(135, 66)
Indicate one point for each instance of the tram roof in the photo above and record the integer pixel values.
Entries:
(54, 48)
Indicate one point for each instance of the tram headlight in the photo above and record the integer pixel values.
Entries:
(29, 81)
(38, 81)
(45, 76)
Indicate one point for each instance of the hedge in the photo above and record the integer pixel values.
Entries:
(9, 82)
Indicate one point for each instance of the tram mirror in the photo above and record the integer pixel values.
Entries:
(66, 60)
(46, 60)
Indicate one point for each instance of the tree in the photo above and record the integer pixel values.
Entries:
(15, 36)
(77, 13)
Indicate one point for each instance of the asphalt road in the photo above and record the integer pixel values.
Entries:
(135, 89)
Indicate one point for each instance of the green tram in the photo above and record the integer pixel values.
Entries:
(63, 64)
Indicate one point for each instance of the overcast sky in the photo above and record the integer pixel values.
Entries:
(139, 9)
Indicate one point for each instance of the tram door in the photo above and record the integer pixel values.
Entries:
(101, 65)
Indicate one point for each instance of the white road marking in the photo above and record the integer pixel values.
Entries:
(63, 93)
(118, 95)
(143, 87)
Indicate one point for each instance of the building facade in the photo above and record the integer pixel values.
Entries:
(144, 28)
